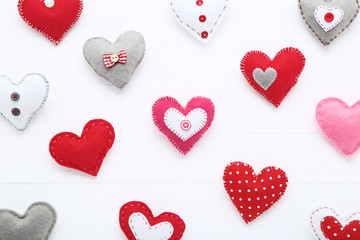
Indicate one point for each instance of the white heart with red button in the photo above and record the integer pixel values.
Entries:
(185, 126)
(199, 17)
(328, 18)
(20, 102)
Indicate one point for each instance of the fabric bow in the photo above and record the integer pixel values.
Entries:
(111, 59)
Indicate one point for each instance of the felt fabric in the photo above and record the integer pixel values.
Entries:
(200, 17)
(308, 8)
(340, 123)
(265, 79)
(36, 224)
(327, 225)
(119, 75)
(53, 22)
(288, 65)
(328, 18)
(253, 194)
(85, 153)
(33, 90)
(138, 223)
(183, 126)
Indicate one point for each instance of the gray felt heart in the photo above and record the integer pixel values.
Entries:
(328, 18)
(265, 79)
(115, 62)
(35, 224)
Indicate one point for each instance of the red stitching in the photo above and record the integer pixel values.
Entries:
(187, 25)
(337, 216)
(324, 43)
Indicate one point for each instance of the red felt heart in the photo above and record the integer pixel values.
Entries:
(196, 118)
(288, 64)
(53, 22)
(254, 194)
(138, 222)
(334, 230)
(85, 153)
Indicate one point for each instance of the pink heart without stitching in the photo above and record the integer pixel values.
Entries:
(340, 123)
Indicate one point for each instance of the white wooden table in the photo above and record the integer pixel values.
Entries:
(143, 165)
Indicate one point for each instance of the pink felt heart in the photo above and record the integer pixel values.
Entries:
(183, 126)
(340, 123)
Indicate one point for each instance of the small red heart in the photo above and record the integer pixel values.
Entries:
(254, 194)
(138, 222)
(334, 230)
(184, 133)
(288, 64)
(52, 22)
(85, 153)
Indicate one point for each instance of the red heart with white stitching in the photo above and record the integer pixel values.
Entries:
(254, 194)
(273, 79)
(327, 225)
(183, 126)
(85, 153)
(52, 18)
(138, 223)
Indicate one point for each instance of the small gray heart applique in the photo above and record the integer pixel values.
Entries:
(265, 79)
(130, 45)
(328, 18)
(35, 224)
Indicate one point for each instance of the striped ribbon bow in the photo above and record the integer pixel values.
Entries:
(111, 59)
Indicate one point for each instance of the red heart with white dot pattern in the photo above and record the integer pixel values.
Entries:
(254, 194)
(327, 225)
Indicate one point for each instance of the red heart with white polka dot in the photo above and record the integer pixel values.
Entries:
(334, 230)
(327, 225)
(254, 194)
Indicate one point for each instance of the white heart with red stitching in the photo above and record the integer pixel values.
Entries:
(185, 126)
(328, 18)
(20, 102)
(199, 17)
(319, 215)
(143, 231)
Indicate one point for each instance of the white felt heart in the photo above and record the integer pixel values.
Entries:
(320, 214)
(143, 231)
(185, 126)
(328, 18)
(265, 79)
(30, 96)
(199, 17)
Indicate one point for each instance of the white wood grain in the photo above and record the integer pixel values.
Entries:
(143, 165)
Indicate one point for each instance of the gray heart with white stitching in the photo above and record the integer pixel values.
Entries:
(35, 224)
(265, 79)
(309, 11)
(131, 42)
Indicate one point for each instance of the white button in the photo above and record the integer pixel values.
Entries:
(114, 58)
(49, 3)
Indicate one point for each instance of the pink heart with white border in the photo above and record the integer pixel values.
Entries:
(183, 126)
(340, 123)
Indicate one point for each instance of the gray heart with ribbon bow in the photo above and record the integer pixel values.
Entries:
(117, 68)
(328, 18)
(35, 224)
